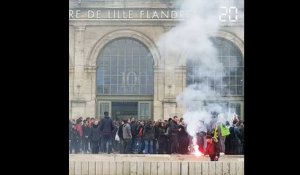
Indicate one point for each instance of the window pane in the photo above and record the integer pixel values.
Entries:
(240, 81)
(106, 80)
(114, 89)
(232, 90)
(104, 107)
(232, 75)
(225, 60)
(143, 80)
(233, 71)
(225, 90)
(124, 61)
(100, 89)
(150, 89)
(240, 71)
(235, 108)
(225, 81)
(114, 80)
(233, 61)
(233, 81)
(218, 82)
(218, 89)
(143, 89)
(149, 80)
(240, 90)
(144, 109)
(106, 89)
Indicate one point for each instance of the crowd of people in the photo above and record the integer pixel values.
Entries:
(133, 136)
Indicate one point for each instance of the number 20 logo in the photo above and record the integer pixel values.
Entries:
(226, 14)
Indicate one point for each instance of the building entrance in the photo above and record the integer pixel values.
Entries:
(124, 110)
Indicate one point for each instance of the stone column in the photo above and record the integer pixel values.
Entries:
(78, 102)
(90, 90)
(169, 101)
(180, 84)
(158, 93)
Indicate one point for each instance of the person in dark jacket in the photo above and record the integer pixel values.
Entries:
(79, 130)
(241, 127)
(133, 126)
(70, 136)
(183, 136)
(155, 140)
(120, 134)
(233, 140)
(148, 136)
(174, 130)
(74, 136)
(106, 129)
(162, 138)
(86, 136)
(95, 137)
(168, 122)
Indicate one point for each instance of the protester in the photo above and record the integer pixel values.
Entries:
(92, 135)
(106, 129)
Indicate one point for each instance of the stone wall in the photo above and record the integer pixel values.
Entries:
(89, 36)
(153, 165)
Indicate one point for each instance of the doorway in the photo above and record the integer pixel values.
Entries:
(124, 110)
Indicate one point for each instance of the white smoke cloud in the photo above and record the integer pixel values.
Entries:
(191, 39)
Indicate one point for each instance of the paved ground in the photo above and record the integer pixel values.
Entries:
(148, 157)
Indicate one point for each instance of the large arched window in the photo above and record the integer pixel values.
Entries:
(232, 82)
(125, 67)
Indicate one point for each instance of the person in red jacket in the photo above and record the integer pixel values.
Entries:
(213, 146)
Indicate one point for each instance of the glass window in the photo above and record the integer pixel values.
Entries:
(104, 107)
(226, 107)
(144, 110)
(235, 108)
(124, 66)
(232, 83)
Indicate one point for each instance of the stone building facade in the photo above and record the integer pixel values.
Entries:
(143, 87)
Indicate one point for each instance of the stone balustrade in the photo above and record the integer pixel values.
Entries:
(122, 164)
